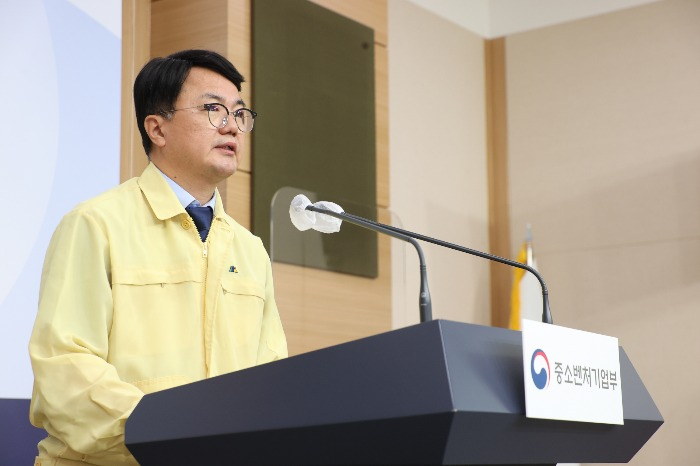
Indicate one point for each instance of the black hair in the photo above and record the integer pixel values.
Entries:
(159, 82)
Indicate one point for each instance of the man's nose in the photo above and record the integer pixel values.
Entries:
(230, 126)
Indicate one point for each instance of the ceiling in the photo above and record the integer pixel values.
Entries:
(487, 18)
(498, 18)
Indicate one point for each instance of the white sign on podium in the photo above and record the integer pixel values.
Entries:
(571, 375)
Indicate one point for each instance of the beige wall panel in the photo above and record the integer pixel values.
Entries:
(321, 308)
(605, 163)
(372, 13)
(647, 296)
(237, 198)
(603, 105)
(438, 163)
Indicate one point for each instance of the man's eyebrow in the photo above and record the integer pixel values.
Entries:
(221, 99)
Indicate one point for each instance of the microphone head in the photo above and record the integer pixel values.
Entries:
(326, 223)
(301, 218)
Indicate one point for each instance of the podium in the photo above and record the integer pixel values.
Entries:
(436, 393)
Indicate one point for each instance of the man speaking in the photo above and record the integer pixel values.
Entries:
(152, 285)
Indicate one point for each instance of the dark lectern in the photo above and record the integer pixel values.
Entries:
(436, 393)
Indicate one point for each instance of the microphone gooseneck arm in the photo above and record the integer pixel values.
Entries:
(424, 303)
(546, 312)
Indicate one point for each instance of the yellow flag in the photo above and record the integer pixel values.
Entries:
(515, 292)
(526, 295)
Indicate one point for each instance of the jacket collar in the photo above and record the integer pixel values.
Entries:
(163, 200)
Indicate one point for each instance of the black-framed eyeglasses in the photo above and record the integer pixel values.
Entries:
(218, 115)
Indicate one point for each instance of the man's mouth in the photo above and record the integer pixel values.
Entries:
(229, 146)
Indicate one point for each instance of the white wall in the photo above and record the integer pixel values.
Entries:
(438, 159)
(59, 128)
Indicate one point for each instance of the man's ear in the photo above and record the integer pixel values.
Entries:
(154, 127)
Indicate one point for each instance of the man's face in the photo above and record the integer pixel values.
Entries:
(196, 153)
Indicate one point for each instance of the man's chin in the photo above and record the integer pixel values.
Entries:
(224, 171)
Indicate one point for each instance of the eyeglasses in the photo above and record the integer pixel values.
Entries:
(218, 115)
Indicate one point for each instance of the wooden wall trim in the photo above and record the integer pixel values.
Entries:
(239, 51)
(136, 32)
(497, 166)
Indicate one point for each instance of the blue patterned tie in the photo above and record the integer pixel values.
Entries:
(202, 219)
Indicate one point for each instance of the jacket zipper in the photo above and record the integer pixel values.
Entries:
(205, 266)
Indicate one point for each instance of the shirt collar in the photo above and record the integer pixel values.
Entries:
(162, 198)
(183, 196)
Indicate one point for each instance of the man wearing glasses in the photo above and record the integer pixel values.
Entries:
(152, 285)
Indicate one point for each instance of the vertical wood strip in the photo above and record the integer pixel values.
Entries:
(136, 32)
(239, 51)
(497, 153)
(381, 86)
(182, 24)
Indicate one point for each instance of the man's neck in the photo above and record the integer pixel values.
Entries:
(203, 194)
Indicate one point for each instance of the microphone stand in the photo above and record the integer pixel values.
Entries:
(546, 312)
(424, 302)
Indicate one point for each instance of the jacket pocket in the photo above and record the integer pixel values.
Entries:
(242, 287)
(157, 324)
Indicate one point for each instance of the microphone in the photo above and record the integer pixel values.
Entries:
(303, 215)
(546, 312)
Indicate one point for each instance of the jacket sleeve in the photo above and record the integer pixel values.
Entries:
(78, 396)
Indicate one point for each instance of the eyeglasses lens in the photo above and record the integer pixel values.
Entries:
(219, 117)
(244, 119)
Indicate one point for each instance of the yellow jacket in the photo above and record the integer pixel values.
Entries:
(133, 302)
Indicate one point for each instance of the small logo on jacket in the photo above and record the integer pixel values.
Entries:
(233, 269)
(541, 377)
